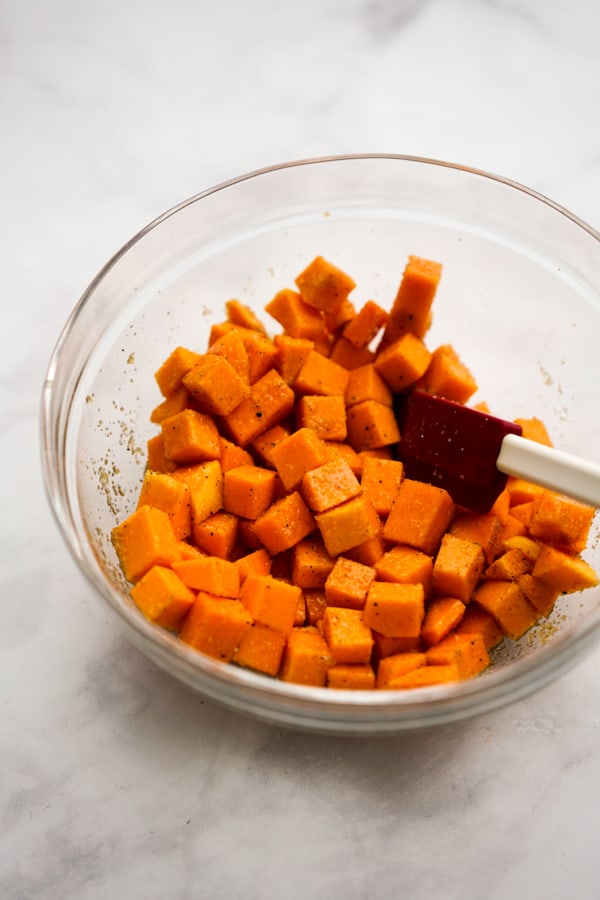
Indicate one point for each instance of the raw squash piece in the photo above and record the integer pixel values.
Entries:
(163, 597)
(170, 374)
(316, 604)
(411, 309)
(523, 512)
(215, 385)
(329, 485)
(240, 314)
(392, 667)
(509, 565)
(365, 325)
(367, 553)
(306, 658)
(210, 574)
(419, 516)
(265, 443)
(285, 522)
(271, 401)
(233, 456)
(396, 610)
(561, 521)
(215, 626)
(261, 649)
(534, 430)
(365, 383)
(458, 567)
(174, 403)
(189, 551)
(348, 583)
(371, 425)
(311, 564)
(217, 534)
(347, 677)
(323, 285)
(447, 376)
(427, 676)
(144, 539)
(324, 415)
(522, 491)
(563, 571)
(541, 596)
(348, 525)
(164, 492)
(156, 461)
(262, 354)
(298, 319)
(525, 544)
(336, 450)
(348, 356)
(232, 348)
(442, 615)
(248, 491)
(511, 529)
(348, 637)
(297, 454)
(505, 601)
(190, 437)
(291, 355)
(478, 620)
(380, 481)
(270, 601)
(403, 362)
(405, 565)
(322, 376)
(338, 317)
(484, 529)
(466, 651)
(205, 485)
(258, 562)
(384, 646)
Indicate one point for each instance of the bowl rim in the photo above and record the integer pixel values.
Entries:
(305, 706)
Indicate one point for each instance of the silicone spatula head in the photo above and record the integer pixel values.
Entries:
(454, 447)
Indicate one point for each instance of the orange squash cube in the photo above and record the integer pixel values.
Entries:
(348, 637)
(270, 601)
(215, 385)
(248, 491)
(403, 362)
(395, 610)
(144, 539)
(323, 285)
(215, 626)
(285, 522)
(306, 658)
(348, 525)
(261, 649)
(458, 567)
(353, 677)
(163, 597)
(329, 485)
(420, 515)
(371, 425)
(297, 454)
(348, 583)
(190, 437)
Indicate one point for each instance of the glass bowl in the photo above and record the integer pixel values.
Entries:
(519, 300)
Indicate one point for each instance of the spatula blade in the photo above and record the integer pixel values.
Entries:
(454, 447)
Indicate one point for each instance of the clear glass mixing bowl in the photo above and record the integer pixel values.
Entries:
(519, 300)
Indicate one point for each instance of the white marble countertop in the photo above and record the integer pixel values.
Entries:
(115, 781)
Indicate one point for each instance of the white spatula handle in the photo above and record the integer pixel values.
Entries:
(550, 468)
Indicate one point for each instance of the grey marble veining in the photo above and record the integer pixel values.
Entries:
(115, 781)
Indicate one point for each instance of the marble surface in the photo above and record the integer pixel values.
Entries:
(115, 781)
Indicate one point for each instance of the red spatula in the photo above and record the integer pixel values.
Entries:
(471, 454)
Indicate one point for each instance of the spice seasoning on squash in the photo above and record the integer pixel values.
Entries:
(275, 529)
